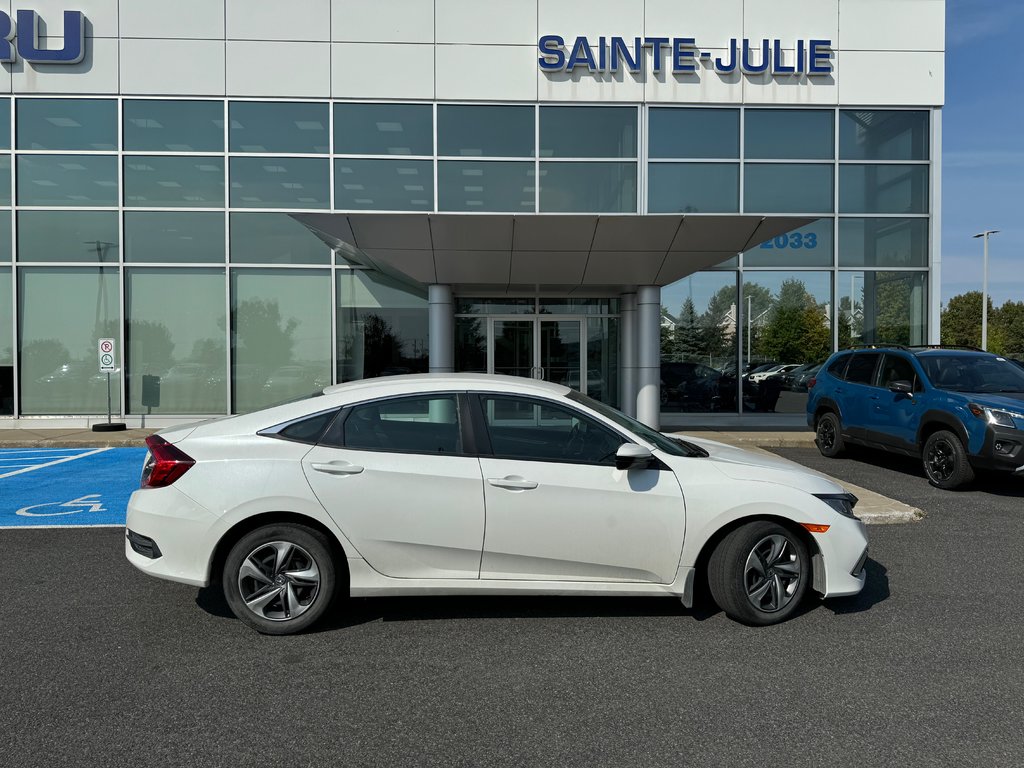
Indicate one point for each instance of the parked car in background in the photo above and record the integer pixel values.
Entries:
(773, 372)
(797, 379)
(691, 387)
(379, 487)
(957, 409)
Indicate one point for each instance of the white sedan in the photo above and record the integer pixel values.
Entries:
(442, 484)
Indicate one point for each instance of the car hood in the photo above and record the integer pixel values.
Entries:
(761, 466)
(1011, 401)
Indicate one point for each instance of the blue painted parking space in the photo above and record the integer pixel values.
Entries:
(60, 487)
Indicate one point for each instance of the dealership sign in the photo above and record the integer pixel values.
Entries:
(22, 39)
(681, 56)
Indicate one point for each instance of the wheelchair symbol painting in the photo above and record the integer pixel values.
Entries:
(89, 503)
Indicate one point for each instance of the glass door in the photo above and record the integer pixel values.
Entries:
(512, 347)
(546, 349)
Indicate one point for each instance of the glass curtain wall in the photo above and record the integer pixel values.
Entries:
(855, 273)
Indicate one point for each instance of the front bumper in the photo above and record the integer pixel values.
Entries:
(843, 548)
(167, 523)
(1002, 451)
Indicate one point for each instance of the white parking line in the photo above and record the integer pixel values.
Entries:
(60, 460)
(38, 527)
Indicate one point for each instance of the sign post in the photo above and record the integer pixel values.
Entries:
(108, 364)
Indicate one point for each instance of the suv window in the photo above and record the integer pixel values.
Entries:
(400, 425)
(898, 368)
(862, 368)
(523, 428)
(838, 367)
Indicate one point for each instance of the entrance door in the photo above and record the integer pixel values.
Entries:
(549, 349)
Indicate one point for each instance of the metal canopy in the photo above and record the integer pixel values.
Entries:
(543, 252)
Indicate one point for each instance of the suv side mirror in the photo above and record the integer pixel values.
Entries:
(901, 387)
(633, 456)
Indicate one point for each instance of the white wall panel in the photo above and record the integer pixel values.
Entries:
(581, 85)
(501, 22)
(96, 73)
(296, 20)
(195, 19)
(592, 18)
(892, 78)
(382, 71)
(487, 72)
(382, 21)
(185, 67)
(708, 88)
(893, 25)
(101, 15)
(799, 89)
(712, 25)
(791, 20)
(278, 69)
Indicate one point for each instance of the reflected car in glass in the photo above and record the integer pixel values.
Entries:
(379, 487)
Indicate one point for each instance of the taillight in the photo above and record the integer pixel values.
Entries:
(165, 463)
(811, 383)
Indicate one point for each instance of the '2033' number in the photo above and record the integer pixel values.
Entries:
(794, 240)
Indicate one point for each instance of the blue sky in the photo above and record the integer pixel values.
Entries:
(983, 147)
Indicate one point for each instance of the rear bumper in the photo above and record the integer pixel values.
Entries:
(168, 536)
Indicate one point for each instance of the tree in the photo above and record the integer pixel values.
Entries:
(690, 341)
(263, 338)
(798, 330)
(1008, 321)
(961, 323)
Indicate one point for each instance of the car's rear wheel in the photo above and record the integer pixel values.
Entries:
(828, 435)
(280, 579)
(945, 461)
(758, 574)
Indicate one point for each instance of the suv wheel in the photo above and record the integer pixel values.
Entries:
(280, 579)
(758, 574)
(829, 436)
(945, 461)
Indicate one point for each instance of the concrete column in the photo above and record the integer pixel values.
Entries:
(627, 354)
(648, 321)
(441, 329)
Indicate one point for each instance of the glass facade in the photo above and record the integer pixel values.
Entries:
(170, 225)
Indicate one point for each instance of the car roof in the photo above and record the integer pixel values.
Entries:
(418, 382)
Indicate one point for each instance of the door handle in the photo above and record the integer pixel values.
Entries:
(337, 468)
(512, 482)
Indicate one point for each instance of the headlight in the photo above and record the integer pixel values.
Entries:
(843, 503)
(996, 416)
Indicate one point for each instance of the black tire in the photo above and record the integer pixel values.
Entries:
(945, 461)
(298, 602)
(737, 588)
(828, 435)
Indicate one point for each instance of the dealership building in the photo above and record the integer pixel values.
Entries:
(638, 198)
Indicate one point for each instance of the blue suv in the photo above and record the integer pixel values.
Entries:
(957, 409)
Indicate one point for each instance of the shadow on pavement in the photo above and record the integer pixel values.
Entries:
(875, 591)
(996, 483)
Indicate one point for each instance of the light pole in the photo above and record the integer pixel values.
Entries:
(984, 288)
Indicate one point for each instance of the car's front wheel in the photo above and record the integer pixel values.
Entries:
(280, 579)
(945, 461)
(758, 574)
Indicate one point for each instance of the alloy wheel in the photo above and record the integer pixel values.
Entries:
(826, 435)
(278, 581)
(772, 574)
(941, 460)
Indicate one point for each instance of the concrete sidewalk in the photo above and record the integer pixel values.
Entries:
(873, 508)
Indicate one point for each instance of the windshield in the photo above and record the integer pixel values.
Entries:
(670, 445)
(970, 373)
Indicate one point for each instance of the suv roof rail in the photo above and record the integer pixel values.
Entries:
(877, 346)
(947, 346)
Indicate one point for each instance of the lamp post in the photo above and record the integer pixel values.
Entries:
(984, 288)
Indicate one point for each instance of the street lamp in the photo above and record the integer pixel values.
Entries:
(984, 288)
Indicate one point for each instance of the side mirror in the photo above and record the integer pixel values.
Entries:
(633, 456)
(901, 387)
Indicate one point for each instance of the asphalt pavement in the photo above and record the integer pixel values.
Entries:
(103, 666)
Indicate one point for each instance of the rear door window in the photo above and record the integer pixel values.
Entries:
(838, 367)
(862, 368)
(400, 425)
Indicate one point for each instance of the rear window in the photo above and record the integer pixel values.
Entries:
(838, 367)
(862, 368)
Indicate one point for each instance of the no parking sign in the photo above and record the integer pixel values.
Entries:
(107, 356)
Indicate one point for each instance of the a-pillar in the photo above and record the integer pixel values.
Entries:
(648, 334)
(441, 329)
(627, 354)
